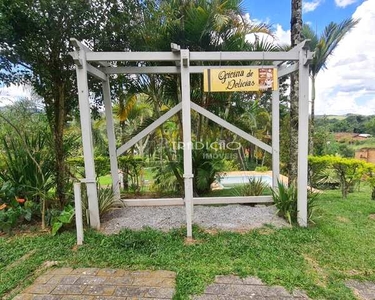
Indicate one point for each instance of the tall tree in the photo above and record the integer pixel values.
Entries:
(323, 45)
(34, 45)
(296, 37)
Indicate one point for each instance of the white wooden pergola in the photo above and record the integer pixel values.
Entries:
(297, 59)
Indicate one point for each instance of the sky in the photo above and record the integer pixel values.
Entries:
(347, 85)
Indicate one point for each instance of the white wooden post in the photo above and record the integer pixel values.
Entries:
(303, 137)
(275, 137)
(111, 138)
(186, 123)
(78, 212)
(88, 149)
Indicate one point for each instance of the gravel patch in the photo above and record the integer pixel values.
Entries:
(229, 218)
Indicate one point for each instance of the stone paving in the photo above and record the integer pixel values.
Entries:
(100, 284)
(234, 288)
(363, 290)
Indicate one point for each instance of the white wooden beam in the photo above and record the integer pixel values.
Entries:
(198, 201)
(154, 202)
(111, 138)
(186, 129)
(305, 44)
(194, 56)
(142, 70)
(98, 74)
(82, 47)
(133, 56)
(149, 129)
(88, 148)
(232, 200)
(231, 127)
(287, 70)
(169, 69)
(78, 212)
(275, 138)
(244, 56)
(303, 138)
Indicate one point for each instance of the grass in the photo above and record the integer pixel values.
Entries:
(107, 179)
(318, 259)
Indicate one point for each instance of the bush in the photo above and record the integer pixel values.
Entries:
(285, 199)
(106, 201)
(255, 187)
(317, 165)
(261, 169)
(349, 171)
(77, 165)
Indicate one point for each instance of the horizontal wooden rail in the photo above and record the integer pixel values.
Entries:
(198, 201)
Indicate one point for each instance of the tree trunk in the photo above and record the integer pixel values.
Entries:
(296, 37)
(312, 117)
(58, 131)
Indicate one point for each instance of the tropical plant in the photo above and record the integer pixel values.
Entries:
(29, 167)
(328, 178)
(254, 187)
(64, 218)
(323, 46)
(106, 201)
(285, 199)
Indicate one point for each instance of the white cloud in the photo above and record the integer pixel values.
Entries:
(282, 36)
(344, 3)
(347, 86)
(308, 6)
(12, 93)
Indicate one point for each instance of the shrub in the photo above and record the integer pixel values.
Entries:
(261, 169)
(317, 165)
(255, 187)
(77, 165)
(328, 179)
(106, 201)
(285, 199)
(349, 171)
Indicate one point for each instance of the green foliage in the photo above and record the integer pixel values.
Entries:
(285, 199)
(77, 165)
(64, 218)
(15, 213)
(28, 163)
(317, 164)
(255, 187)
(341, 241)
(328, 179)
(349, 171)
(132, 168)
(106, 200)
(206, 164)
(261, 169)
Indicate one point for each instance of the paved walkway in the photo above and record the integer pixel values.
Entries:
(111, 284)
(100, 284)
(233, 287)
(363, 290)
(117, 284)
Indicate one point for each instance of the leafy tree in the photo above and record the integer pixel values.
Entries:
(34, 43)
(323, 45)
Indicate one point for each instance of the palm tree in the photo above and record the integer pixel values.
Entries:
(296, 37)
(323, 46)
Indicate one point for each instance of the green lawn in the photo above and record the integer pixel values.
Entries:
(318, 260)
